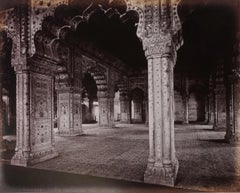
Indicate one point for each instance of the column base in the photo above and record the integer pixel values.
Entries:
(29, 158)
(163, 175)
(69, 133)
(185, 123)
(232, 139)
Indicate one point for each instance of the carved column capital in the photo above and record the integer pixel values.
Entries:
(158, 47)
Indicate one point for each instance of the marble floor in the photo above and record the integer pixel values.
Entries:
(206, 162)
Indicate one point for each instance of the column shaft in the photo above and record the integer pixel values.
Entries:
(1, 108)
(138, 110)
(215, 110)
(125, 110)
(162, 163)
(229, 112)
(237, 111)
(146, 111)
(185, 101)
(69, 112)
(106, 112)
(91, 116)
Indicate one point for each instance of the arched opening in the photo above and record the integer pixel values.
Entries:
(91, 54)
(90, 110)
(8, 87)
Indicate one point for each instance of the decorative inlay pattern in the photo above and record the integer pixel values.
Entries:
(41, 108)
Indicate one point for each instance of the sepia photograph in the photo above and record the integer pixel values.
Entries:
(119, 96)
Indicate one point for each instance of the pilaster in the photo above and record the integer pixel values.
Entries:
(35, 141)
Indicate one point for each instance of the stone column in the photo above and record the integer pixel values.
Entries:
(237, 107)
(185, 104)
(236, 87)
(208, 107)
(34, 94)
(229, 137)
(233, 96)
(90, 108)
(2, 57)
(211, 101)
(125, 109)
(185, 101)
(162, 162)
(106, 96)
(69, 112)
(1, 102)
(138, 110)
(146, 111)
(215, 109)
(106, 111)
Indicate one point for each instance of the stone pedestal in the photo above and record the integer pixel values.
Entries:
(35, 142)
(125, 110)
(69, 113)
(106, 112)
(162, 165)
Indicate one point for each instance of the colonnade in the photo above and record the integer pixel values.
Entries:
(159, 28)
